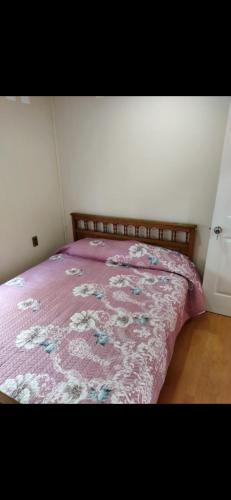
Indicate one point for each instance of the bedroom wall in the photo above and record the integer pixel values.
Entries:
(30, 201)
(147, 157)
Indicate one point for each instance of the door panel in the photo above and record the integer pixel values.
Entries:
(217, 276)
(224, 271)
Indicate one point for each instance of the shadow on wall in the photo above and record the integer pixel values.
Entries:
(201, 247)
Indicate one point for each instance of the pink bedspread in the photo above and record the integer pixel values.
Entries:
(95, 323)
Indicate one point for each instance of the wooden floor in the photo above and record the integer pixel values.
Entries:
(200, 369)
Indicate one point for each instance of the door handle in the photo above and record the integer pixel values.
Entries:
(217, 230)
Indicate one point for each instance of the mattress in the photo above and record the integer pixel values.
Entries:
(96, 323)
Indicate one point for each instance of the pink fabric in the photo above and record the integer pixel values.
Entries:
(95, 323)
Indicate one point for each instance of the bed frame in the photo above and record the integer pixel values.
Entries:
(175, 236)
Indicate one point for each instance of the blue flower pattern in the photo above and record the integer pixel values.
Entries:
(142, 319)
(102, 338)
(101, 395)
(153, 259)
(98, 295)
(48, 346)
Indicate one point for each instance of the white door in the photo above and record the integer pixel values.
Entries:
(217, 276)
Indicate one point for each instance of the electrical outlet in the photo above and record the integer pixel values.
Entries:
(35, 241)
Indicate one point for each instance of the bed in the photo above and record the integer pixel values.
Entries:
(96, 323)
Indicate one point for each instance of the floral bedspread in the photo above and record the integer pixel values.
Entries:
(95, 323)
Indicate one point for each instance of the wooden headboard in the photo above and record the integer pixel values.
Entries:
(175, 236)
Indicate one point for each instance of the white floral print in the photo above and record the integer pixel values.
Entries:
(21, 388)
(74, 271)
(149, 280)
(79, 348)
(82, 350)
(83, 321)
(137, 250)
(84, 290)
(97, 243)
(120, 280)
(56, 257)
(31, 338)
(111, 262)
(70, 392)
(114, 328)
(28, 304)
(122, 319)
(18, 281)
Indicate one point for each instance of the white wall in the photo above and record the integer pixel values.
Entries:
(147, 157)
(29, 191)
